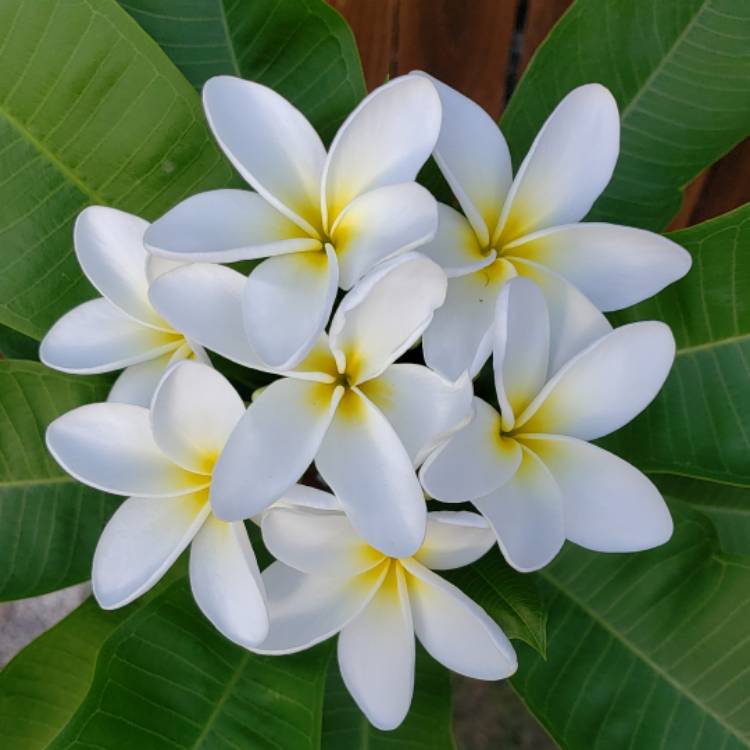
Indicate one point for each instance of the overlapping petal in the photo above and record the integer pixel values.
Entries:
(271, 145)
(111, 447)
(224, 226)
(606, 385)
(567, 167)
(454, 539)
(475, 461)
(193, 412)
(474, 158)
(609, 505)
(271, 446)
(286, 303)
(226, 582)
(97, 337)
(613, 266)
(385, 314)
(363, 461)
(141, 541)
(389, 136)
(379, 224)
(376, 654)
(441, 612)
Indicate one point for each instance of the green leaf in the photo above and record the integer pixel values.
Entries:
(647, 650)
(91, 111)
(698, 426)
(49, 523)
(427, 726)
(727, 506)
(14, 345)
(511, 598)
(680, 72)
(303, 49)
(157, 675)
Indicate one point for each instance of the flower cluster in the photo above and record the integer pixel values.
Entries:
(514, 275)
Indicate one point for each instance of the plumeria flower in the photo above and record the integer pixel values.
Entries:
(162, 459)
(529, 470)
(329, 580)
(321, 219)
(529, 226)
(365, 421)
(120, 329)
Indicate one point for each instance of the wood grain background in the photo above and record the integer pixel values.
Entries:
(481, 47)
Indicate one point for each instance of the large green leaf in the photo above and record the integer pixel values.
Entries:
(49, 523)
(512, 599)
(302, 49)
(91, 111)
(648, 650)
(157, 675)
(680, 72)
(427, 726)
(14, 345)
(699, 425)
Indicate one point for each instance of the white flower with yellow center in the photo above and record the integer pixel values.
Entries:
(365, 421)
(328, 580)
(120, 329)
(530, 226)
(321, 219)
(163, 460)
(530, 472)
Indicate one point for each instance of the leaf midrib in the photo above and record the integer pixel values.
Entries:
(64, 479)
(641, 655)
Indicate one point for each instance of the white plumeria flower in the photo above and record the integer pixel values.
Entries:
(120, 329)
(530, 471)
(163, 460)
(324, 219)
(529, 226)
(328, 580)
(365, 421)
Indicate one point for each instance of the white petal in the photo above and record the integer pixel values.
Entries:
(575, 322)
(286, 304)
(454, 539)
(270, 143)
(272, 445)
(473, 462)
(384, 141)
(318, 542)
(380, 224)
(97, 337)
(305, 610)
(224, 226)
(568, 165)
(109, 246)
(441, 612)
(302, 496)
(111, 447)
(526, 514)
(474, 158)
(455, 247)
(365, 464)
(459, 338)
(421, 406)
(521, 347)
(204, 301)
(613, 266)
(226, 582)
(157, 266)
(609, 505)
(194, 410)
(385, 314)
(606, 385)
(141, 541)
(136, 384)
(376, 654)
